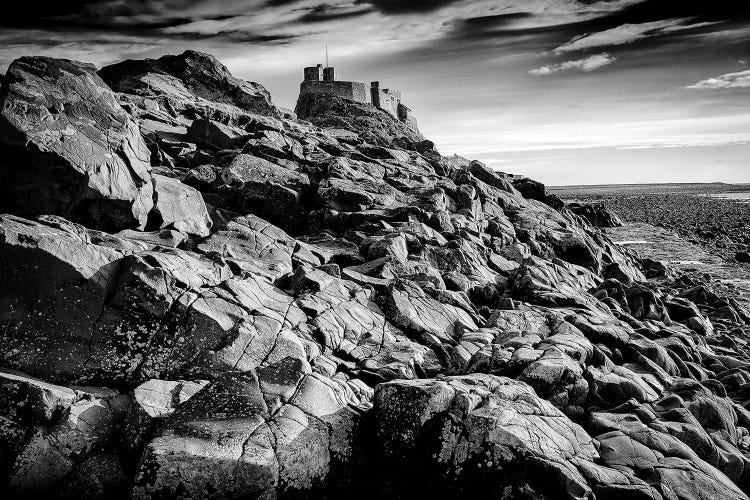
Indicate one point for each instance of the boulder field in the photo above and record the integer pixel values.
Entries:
(202, 296)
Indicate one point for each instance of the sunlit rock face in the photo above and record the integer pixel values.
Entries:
(204, 297)
(68, 148)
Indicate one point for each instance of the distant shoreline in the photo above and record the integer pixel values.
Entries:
(652, 184)
(714, 215)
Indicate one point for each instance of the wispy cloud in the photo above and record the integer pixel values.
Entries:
(737, 80)
(587, 65)
(628, 33)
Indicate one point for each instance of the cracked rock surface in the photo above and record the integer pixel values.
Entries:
(202, 296)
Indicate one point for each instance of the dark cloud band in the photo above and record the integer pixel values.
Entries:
(407, 6)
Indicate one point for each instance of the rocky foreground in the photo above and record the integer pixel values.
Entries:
(204, 297)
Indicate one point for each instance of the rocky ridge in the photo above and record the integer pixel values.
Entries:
(235, 303)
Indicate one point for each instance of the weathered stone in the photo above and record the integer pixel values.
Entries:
(181, 207)
(467, 433)
(595, 214)
(26, 399)
(217, 135)
(408, 306)
(389, 246)
(266, 189)
(481, 317)
(39, 466)
(68, 148)
(189, 82)
(254, 244)
(166, 237)
(226, 440)
(159, 398)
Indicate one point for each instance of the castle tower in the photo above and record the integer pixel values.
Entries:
(375, 94)
(314, 73)
(329, 74)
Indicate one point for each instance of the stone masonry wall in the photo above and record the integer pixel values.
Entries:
(388, 101)
(355, 91)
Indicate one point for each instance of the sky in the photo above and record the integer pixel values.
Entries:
(564, 91)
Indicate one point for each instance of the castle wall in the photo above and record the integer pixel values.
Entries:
(385, 99)
(354, 91)
(313, 73)
(411, 122)
(403, 112)
(389, 102)
(329, 74)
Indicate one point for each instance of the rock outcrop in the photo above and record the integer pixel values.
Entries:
(330, 310)
(190, 83)
(595, 214)
(371, 124)
(68, 148)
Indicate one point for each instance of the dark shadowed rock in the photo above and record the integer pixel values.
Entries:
(536, 191)
(477, 432)
(68, 148)
(273, 191)
(69, 439)
(596, 214)
(216, 135)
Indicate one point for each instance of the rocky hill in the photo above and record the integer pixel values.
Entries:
(204, 297)
(371, 124)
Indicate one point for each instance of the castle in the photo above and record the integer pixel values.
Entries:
(324, 81)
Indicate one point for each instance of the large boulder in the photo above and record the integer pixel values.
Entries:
(253, 244)
(251, 184)
(187, 86)
(475, 434)
(275, 432)
(68, 148)
(408, 306)
(65, 441)
(535, 190)
(216, 135)
(179, 206)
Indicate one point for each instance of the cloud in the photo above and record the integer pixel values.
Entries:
(96, 14)
(587, 65)
(132, 15)
(737, 80)
(626, 33)
(407, 6)
(646, 11)
(629, 33)
(325, 12)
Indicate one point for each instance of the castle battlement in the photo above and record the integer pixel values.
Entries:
(319, 80)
